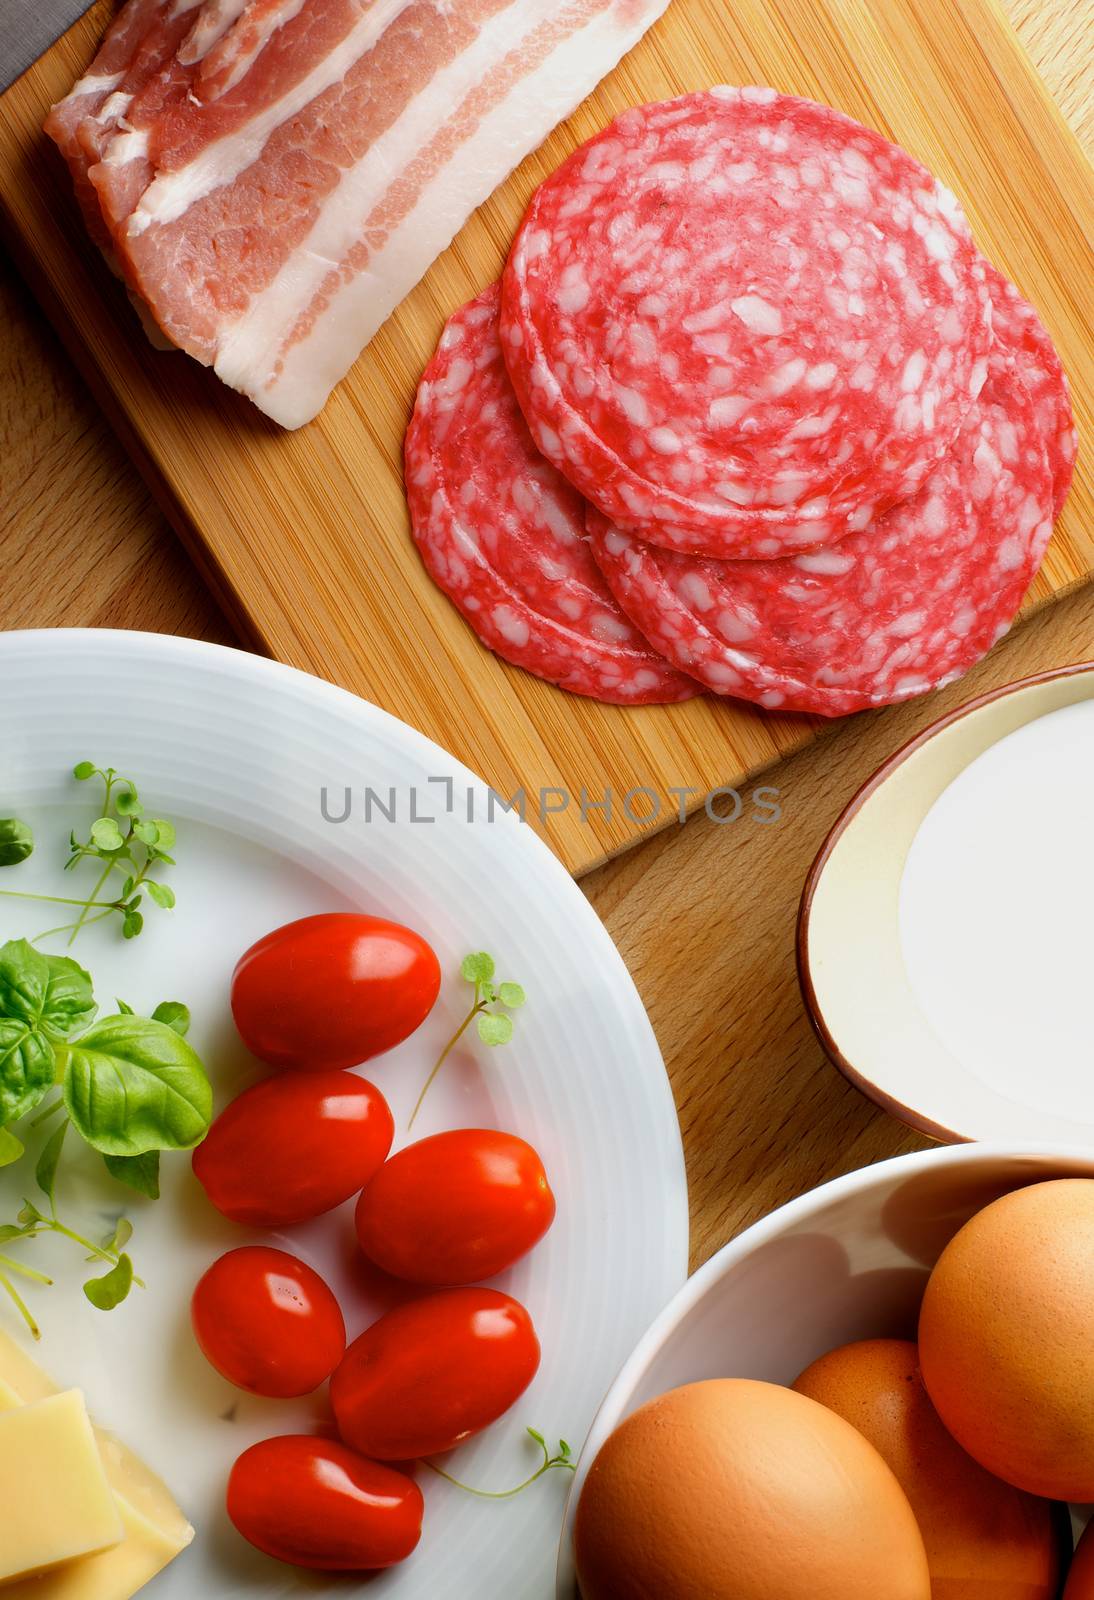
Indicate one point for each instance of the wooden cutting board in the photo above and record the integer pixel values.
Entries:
(304, 536)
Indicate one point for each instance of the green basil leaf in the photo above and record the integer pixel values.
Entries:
(11, 1148)
(161, 893)
(132, 1084)
(175, 1014)
(50, 993)
(69, 1001)
(107, 1292)
(27, 1067)
(45, 1173)
(138, 1172)
(16, 841)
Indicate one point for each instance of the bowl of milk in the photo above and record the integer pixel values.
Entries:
(946, 930)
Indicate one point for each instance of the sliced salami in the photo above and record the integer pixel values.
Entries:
(503, 533)
(742, 323)
(1018, 327)
(904, 606)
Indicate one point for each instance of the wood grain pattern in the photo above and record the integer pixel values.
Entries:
(304, 537)
(81, 541)
(1059, 41)
(703, 914)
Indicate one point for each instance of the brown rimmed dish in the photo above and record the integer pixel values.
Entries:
(850, 967)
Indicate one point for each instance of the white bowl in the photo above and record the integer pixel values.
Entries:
(846, 1261)
(850, 956)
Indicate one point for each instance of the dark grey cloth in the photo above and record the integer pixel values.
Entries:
(28, 28)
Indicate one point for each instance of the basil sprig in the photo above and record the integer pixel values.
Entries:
(130, 1086)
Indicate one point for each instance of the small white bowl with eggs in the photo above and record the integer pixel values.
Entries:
(944, 936)
(848, 1261)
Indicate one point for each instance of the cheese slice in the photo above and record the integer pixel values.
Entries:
(57, 1502)
(154, 1529)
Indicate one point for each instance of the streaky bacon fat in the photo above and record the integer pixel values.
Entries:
(276, 184)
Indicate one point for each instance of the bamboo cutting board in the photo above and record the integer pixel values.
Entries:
(304, 536)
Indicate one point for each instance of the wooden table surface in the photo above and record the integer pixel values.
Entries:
(703, 914)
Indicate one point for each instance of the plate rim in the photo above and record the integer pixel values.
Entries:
(242, 664)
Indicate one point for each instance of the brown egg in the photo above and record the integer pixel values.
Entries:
(1006, 1338)
(982, 1535)
(733, 1490)
(1080, 1579)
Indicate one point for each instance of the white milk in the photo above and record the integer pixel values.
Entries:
(997, 914)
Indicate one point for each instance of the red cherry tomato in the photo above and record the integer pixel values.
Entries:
(456, 1207)
(293, 1147)
(267, 1322)
(333, 990)
(433, 1372)
(314, 1503)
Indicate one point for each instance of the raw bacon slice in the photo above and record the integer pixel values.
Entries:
(1022, 333)
(97, 98)
(140, 49)
(503, 533)
(154, 55)
(741, 323)
(137, 74)
(228, 38)
(218, 44)
(904, 606)
(273, 226)
(185, 143)
(105, 73)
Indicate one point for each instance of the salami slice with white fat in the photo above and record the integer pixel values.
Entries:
(1020, 330)
(503, 534)
(741, 323)
(902, 607)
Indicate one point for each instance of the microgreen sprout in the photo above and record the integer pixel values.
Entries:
(562, 1459)
(124, 841)
(104, 1292)
(489, 1012)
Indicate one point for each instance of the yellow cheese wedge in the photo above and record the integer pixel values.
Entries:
(155, 1530)
(57, 1502)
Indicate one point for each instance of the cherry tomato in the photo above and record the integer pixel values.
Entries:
(293, 1147)
(314, 1503)
(434, 1372)
(333, 990)
(456, 1207)
(267, 1322)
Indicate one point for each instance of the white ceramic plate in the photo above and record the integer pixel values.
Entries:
(235, 750)
(856, 982)
(849, 1260)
